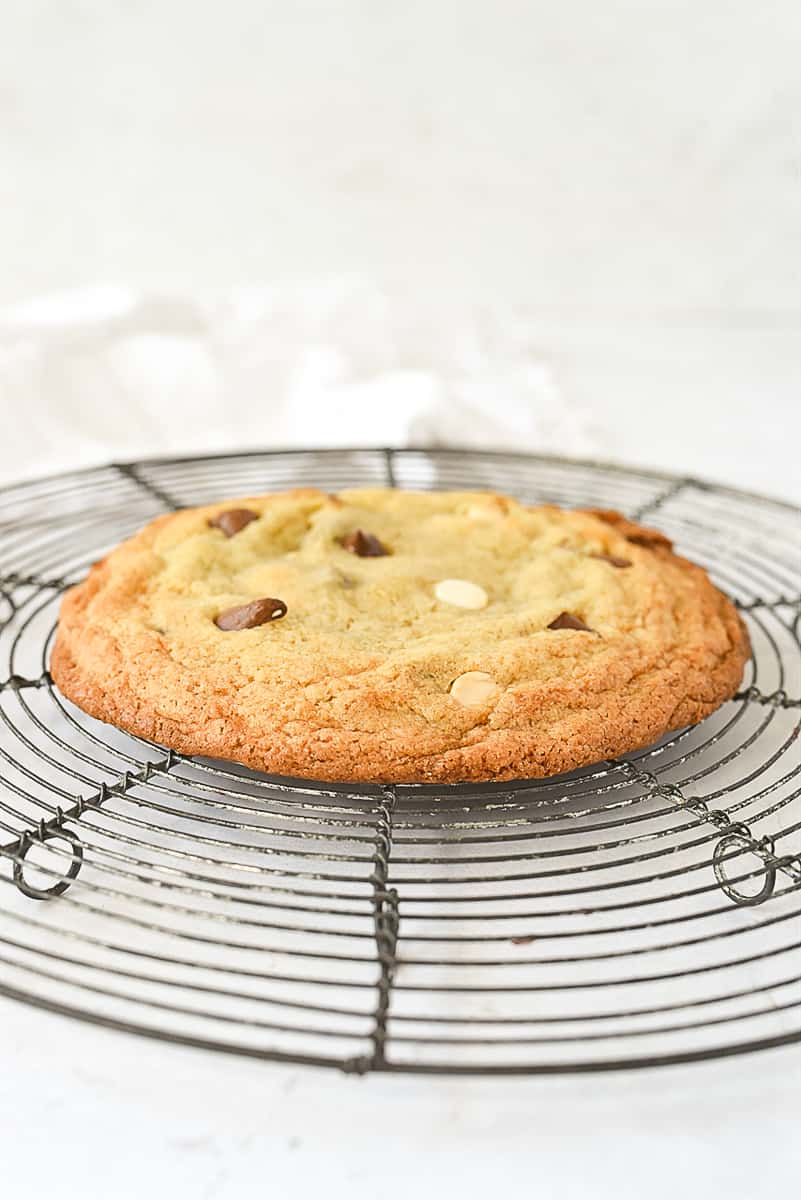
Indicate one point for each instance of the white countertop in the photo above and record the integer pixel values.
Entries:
(92, 1113)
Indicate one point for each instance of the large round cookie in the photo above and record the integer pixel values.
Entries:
(404, 637)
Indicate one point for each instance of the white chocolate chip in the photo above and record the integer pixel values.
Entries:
(461, 592)
(474, 687)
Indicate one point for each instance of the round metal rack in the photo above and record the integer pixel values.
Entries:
(640, 912)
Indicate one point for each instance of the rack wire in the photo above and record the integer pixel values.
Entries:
(641, 912)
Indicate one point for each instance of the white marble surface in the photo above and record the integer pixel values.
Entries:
(570, 227)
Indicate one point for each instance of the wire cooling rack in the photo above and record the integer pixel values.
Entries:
(641, 912)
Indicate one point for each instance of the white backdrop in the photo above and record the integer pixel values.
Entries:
(231, 225)
(571, 227)
(618, 158)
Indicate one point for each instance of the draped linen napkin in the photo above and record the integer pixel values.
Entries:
(109, 373)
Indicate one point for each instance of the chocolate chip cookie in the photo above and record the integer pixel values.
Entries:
(398, 636)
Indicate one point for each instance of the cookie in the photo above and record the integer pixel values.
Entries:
(390, 636)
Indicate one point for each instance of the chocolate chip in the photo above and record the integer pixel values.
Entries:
(248, 616)
(234, 519)
(637, 534)
(649, 538)
(613, 559)
(366, 545)
(566, 620)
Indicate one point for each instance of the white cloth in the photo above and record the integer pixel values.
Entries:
(110, 374)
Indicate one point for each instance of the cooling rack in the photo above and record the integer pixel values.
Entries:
(641, 912)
